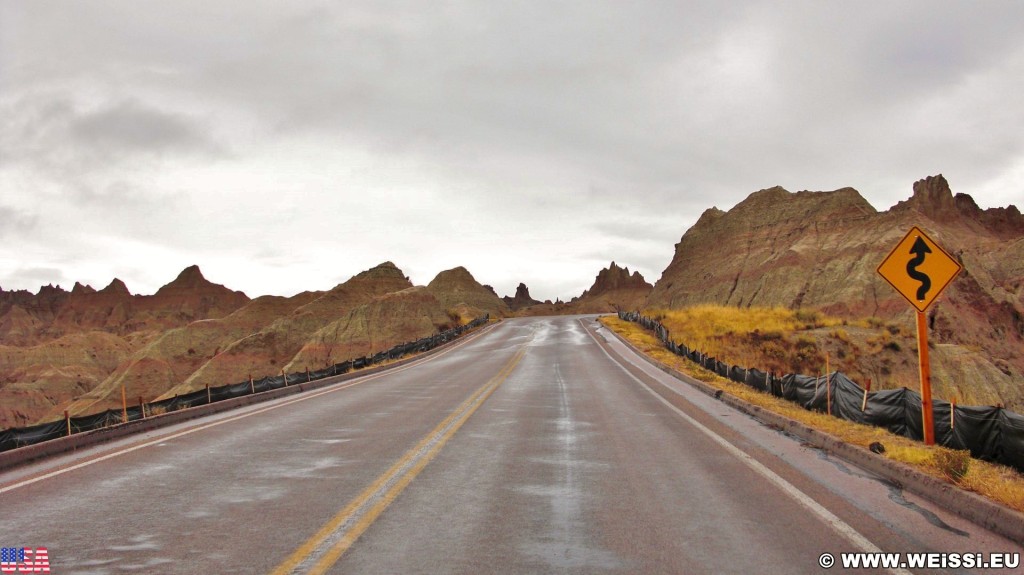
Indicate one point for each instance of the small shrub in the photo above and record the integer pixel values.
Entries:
(809, 317)
(773, 351)
(805, 341)
(454, 316)
(952, 463)
(772, 335)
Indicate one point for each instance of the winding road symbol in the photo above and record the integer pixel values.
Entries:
(919, 269)
(919, 250)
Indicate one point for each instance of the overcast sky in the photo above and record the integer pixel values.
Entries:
(286, 146)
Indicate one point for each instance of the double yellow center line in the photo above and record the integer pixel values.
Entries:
(324, 548)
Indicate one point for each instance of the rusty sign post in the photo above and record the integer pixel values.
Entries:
(920, 270)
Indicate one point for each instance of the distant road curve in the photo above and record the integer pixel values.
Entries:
(537, 447)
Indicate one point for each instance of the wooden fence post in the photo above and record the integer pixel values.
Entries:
(828, 386)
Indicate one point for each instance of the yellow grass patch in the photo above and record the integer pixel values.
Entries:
(996, 482)
(766, 338)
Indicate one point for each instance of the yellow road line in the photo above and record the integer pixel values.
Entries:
(405, 473)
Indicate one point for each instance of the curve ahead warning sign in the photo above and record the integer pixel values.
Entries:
(919, 269)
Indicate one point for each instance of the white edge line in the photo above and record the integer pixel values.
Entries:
(301, 397)
(802, 498)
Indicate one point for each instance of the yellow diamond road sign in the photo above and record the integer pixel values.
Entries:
(919, 269)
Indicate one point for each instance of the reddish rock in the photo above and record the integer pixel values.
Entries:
(821, 249)
(614, 288)
(457, 287)
(522, 298)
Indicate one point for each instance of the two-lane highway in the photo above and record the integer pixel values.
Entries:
(535, 447)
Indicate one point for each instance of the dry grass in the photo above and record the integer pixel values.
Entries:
(996, 482)
(768, 338)
(782, 340)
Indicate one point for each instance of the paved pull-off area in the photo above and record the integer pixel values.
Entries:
(533, 447)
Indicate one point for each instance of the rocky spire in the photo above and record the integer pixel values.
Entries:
(521, 299)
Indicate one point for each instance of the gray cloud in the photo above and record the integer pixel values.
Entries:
(557, 136)
(131, 127)
(14, 223)
(57, 135)
(36, 277)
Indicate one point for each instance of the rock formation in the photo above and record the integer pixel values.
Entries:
(521, 300)
(459, 291)
(75, 350)
(614, 289)
(54, 312)
(821, 249)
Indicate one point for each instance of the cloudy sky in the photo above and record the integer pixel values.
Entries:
(286, 146)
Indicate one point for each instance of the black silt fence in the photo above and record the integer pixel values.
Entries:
(990, 433)
(22, 436)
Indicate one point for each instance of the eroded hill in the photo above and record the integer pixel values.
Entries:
(820, 250)
(75, 350)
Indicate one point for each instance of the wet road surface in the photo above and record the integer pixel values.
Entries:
(533, 447)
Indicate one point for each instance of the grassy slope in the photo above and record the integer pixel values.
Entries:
(882, 351)
(997, 482)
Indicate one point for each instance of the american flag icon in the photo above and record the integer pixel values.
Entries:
(24, 560)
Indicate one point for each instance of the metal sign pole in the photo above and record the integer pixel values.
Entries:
(927, 417)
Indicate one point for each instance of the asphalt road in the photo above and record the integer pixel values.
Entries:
(533, 447)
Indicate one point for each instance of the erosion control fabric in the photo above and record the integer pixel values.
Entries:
(22, 436)
(990, 433)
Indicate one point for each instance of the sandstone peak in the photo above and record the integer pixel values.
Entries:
(190, 277)
(460, 274)
(80, 289)
(709, 217)
(614, 288)
(189, 297)
(778, 203)
(521, 299)
(50, 290)
(774, 193)
(116, 287)
(191, 283)
(378, 280)
(615, 278)
(934, 190)
(522, 291)
(934, 199)
(457, 287)
(190, 280)
(384, 270)
(820, 250)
